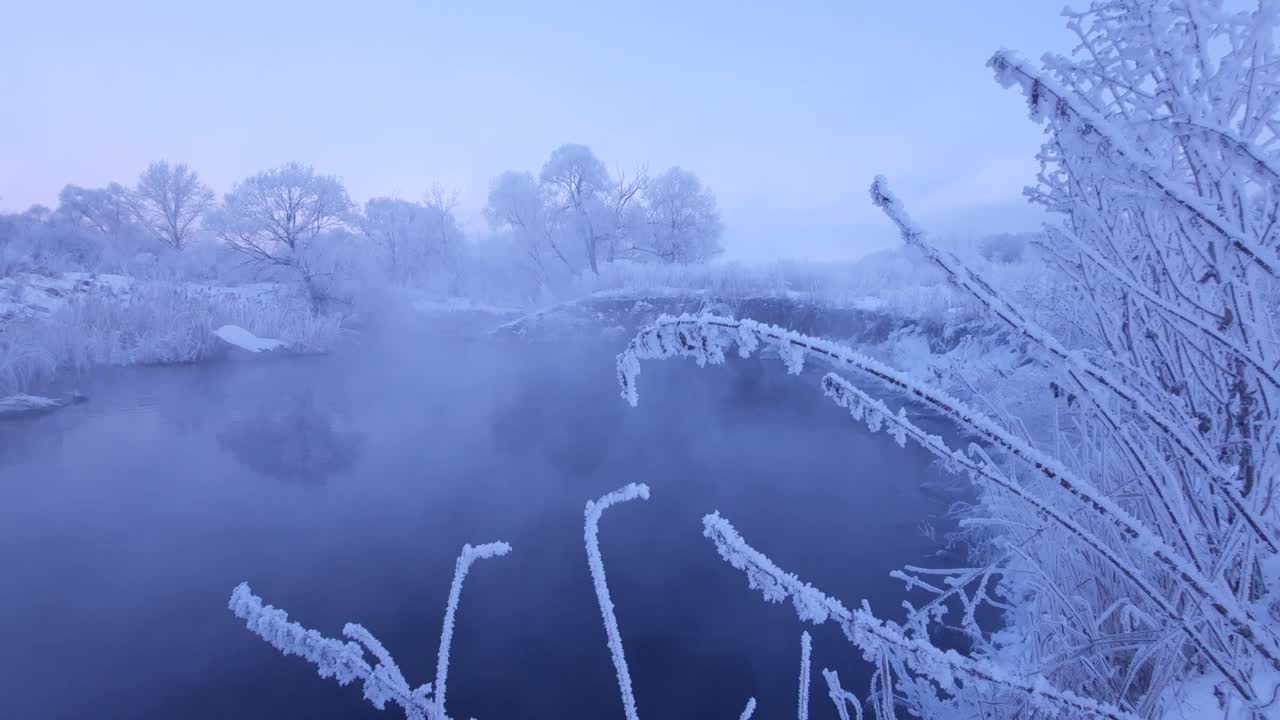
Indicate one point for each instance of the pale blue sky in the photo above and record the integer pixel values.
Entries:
(787, 110)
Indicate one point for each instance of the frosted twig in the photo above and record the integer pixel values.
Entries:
(468, 556)
(386, 669)
(841, 697)
(1047, 98)
(874, 636)
(806, 650)
(343, 661)
(593, 511)
(706, 339)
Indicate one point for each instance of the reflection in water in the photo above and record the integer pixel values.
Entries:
(296, 440)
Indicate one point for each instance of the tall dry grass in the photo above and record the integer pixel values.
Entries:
(151, 323)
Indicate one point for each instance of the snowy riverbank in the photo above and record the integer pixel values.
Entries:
(61, 324)
(54, 326)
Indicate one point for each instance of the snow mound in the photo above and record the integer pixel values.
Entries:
(245, 340)
(32, 295)
(22, 404)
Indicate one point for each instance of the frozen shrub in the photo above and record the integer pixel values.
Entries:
(1127, 547)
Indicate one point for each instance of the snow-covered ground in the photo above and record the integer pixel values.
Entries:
(31, 295)
(36, 295)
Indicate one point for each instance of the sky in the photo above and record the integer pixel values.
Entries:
(786, 110)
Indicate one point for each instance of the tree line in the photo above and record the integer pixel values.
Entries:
(572, 217)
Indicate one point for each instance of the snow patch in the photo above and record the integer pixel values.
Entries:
(245, 340)
(21, 404)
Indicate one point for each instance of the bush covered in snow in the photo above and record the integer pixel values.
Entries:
(1130, 545)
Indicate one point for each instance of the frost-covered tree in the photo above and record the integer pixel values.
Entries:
(588, 209)
(170, 201)
(518, 208)
(276, 218)
(683, 219)
(420, 239)
(1132, 546)
(1161, 164)
(576, 185)
(104, 210)
(36, 214)
(445, 246)
(396, 225)
(272, 216)
(625, 215)
(91, 229)
(575, 216)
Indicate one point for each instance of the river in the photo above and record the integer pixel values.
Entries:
(342, 488)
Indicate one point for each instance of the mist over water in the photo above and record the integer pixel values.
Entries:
(342, 488)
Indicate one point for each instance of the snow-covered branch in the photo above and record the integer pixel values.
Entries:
(344, 661)
(875, 413)
(468, 556)
(707, 338)
(593, 511)
(1076, 367)
(875, 637)
(842, 698)
(806, 654)
(1048, 100)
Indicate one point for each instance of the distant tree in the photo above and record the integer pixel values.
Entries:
(395, 225)
(58, 240)
(575, 215)
(446, 232)
(91, 229)
(626, 214)
(420, 238)
(35, 214)
(104, 210)
(519, 206)
(169, 201)
(684, 222)
(578, 186)
(275, 216)
(12, 256)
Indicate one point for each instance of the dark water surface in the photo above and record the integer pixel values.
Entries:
(343, 487)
